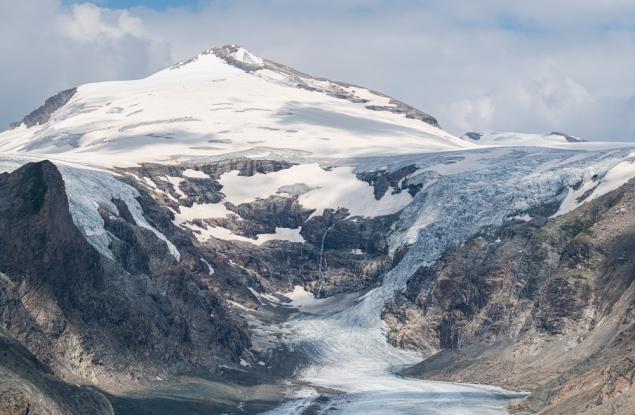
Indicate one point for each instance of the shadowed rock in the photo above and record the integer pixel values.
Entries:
(43, 113)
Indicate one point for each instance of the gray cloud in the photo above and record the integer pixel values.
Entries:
(491, 65)
(46, 47)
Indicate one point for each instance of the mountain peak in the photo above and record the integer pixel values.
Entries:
(231, 54)
(521, 139)
(238, 56)
(226, 100)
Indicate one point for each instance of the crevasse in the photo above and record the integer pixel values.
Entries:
(348, 349)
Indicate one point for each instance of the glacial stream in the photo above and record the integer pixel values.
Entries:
(345, 337)
(350, 354)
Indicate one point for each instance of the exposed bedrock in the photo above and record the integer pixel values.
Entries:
(43, 113)
(94, 320)
(545, 305)
(30, 387)
(382, 181)
(353, 251)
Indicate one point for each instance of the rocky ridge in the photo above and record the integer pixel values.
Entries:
(164, 261)
(97, 321)
(544, 305)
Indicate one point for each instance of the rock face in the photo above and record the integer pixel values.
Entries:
(94, 320)
(543, 305)
(143, 315)
(29, 386)
(353, 250)
(43, 113)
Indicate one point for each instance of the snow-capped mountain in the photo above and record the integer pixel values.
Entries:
(551, 140)
(230, 217)
(520, 139)
(225, 100)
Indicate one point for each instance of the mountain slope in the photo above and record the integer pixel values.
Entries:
(224, 100)
(28, 386)
(551, 140)
(94, 319)
(225, 234)
(518, 139)
(540, 306)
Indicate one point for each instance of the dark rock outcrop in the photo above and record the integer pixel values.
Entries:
(569, 138)
(43, 113)
(544, 305)
(382, 181)
(27, 386)
(473, 136)
(93, 320)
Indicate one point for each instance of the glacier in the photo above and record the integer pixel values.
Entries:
(348, 348)
(226, 104)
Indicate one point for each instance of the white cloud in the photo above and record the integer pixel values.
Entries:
(541, 98)
(494, 65)
(46, 47)
(470, 114)
(89, 23)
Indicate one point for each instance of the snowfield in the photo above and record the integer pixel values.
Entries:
(551, 140)
(208, 107)
(334, 188)
(236, 105)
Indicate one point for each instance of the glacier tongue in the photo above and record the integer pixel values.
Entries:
(228, 104)
(348, 348)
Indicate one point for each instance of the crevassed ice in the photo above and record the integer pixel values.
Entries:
(348, 348)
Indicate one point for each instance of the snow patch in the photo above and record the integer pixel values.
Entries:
(218, 232)
(176, 182)
(524, 218)
(613, 179)
(334, 188)
(210, 269)
(301, 298)
(281, 234)
(195, 174)
(243, 55)
(201, 211)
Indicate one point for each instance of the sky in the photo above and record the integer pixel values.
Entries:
(489, 65)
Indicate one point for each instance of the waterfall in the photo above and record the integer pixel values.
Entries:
(322, 260)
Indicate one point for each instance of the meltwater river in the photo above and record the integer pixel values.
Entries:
(346, 342)
(344, 337)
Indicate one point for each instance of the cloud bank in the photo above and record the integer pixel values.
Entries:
(491, 65)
